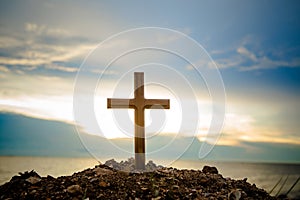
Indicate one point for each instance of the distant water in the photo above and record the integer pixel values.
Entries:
(263, 175)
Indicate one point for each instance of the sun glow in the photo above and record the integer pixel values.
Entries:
(44, 107)
(119, 123)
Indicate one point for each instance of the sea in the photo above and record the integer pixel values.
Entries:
(263, 175)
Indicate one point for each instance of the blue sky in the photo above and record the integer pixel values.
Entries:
(255, 45)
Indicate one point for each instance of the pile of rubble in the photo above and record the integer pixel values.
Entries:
(129, 165)
(105, 182)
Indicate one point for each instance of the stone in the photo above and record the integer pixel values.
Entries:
(33, 192)
(156, 198)
(33, 180)
(93, 180)
(211, 170)
(234, 195)
(74, 189)
(111, 163)
(104, 184)
(203, 180)
(27, 174)
(175, 187)
(156, 193)
(102, 171)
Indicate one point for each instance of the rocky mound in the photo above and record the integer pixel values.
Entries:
(104, 182)
(129, 165)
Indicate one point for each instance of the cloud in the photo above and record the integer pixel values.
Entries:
(45, 30)
(14, 85)
(42, 46)
(100, 71)
(30, 27)
(239, 128)
(41, 54)
(203, 63)
(21, 61)
(7, 41)
(47, 97)
(243, 51)
(4, 69)
(43, 107)
(61, 68)
(246, 60)
(263, 61)
(250, 55)
(268, 63)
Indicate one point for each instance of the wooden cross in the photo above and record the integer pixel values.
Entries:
(139, 104)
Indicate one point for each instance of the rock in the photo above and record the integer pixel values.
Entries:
(74, 189)
(234, 195)
(27, 174)
(129, 165)
(211, 170)
(33, 192)
(131, 160)
(93, 180)
(104, 184)
(175, 187)
(203, 180)
(50, 177)
(33, 180)
(102, 171)
(151, 165)
(156, 198)
(112, 163)
(30, 177)
(156, 193)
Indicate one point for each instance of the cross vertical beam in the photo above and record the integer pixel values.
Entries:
(139, 104)
(139, 119)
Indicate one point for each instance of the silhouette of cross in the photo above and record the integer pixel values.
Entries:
(139, 104)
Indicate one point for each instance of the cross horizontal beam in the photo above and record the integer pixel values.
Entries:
(131, 103)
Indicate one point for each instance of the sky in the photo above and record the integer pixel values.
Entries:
(254, 46)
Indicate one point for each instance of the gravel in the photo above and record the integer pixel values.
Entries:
(120, 181)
